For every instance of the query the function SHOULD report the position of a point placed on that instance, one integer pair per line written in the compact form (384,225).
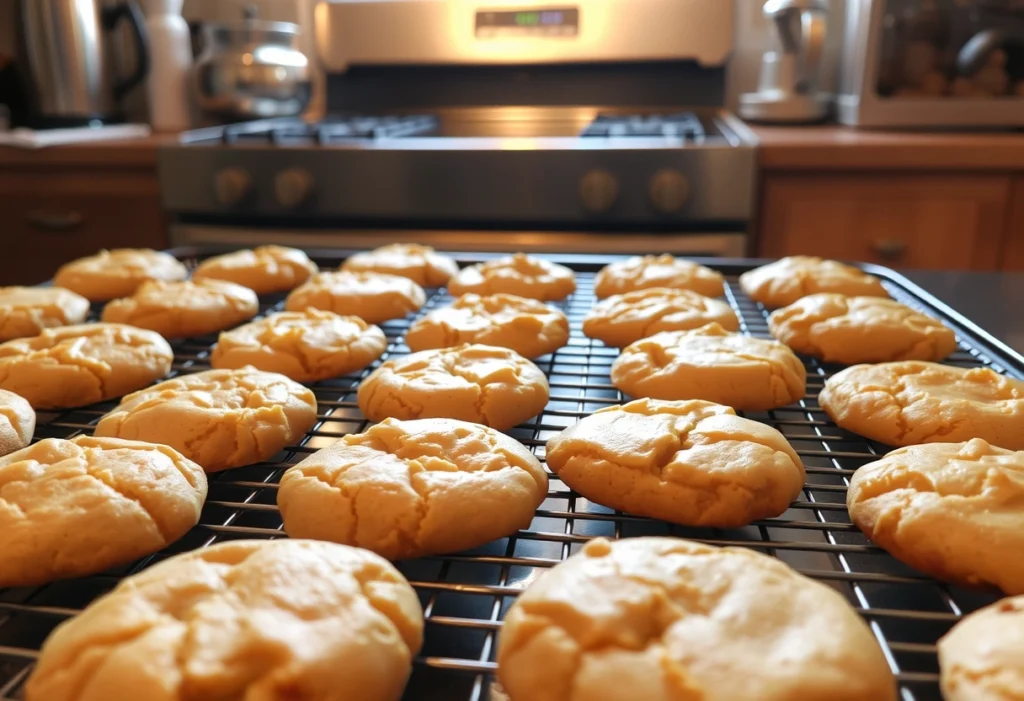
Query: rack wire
(466,595)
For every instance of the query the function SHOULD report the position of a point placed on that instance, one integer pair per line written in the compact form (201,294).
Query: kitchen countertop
(116,152)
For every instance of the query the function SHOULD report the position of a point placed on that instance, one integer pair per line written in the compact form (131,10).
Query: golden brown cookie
(27,311)
(264,269)
(529,327)
(411,488)
(622,319)
(788,279)
(77,365)
(219,418)
(306,346)
(117,273)
(274,620)
(17,422)
(183,309)
(421,264)
(643,272)
(913,402)
(520,274)
(487,385)
(665,619)
(980,659)
(951,510)
(69,508)
(692,462)
(750,374)
(850,330)
(373,297)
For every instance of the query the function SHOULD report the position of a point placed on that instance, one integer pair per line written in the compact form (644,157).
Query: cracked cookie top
(643,272)
(519,274)
(487,385)
(219,418)
(411,488)
(27,311)
(911,402)
(280,619)
(264,269)
(693,462)
(711,363)
(529,327)
(117,273)
(17,422)
(622,319)
(373,297)
(665,619)
(952,510)
(69,508)
(77,365)
(980,658)
(421,264)
(788,279)
(183,309)
(850,330)
(306,346)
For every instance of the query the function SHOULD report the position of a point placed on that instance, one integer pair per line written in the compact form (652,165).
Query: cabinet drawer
(903,221)
(48,220)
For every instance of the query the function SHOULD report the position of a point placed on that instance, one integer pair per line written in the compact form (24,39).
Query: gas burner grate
(684,125)
(465,596)
(295,132)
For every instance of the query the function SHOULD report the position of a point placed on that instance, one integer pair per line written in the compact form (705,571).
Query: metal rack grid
(466,595)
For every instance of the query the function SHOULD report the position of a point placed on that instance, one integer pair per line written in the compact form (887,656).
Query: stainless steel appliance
(490,126)
(790,73)
(943,63)
(67,59)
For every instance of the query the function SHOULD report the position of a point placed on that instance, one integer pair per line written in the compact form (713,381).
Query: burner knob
(599,189)
(231,185)
(669,190)
(293,186)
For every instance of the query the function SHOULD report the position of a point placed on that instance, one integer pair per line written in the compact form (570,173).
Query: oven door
(727,244)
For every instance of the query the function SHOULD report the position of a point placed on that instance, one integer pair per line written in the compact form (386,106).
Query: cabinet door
(1013,250)
(48,219)
(904,221)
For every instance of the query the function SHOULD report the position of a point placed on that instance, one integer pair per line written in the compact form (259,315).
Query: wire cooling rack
(465,596)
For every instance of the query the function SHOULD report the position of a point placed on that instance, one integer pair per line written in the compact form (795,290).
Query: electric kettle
(66,61)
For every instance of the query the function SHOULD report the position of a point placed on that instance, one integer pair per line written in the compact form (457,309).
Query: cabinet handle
(889,249)
(55,221)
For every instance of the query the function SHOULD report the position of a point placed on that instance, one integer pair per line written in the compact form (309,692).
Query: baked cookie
(183,309)
(788,279)
(487,385)
(980,658)
(622,319)
(17,422)
(694,463)
(117,273)
(373,297)
(913,402)
(406,489)
(850,330)
(27,311)
(951,510)
(520,274)
(264,269)
(643,272)
(77,365)
(749,374)
(528,327)
(306,346)
(76,507)
(269,620)
(421,264)
(665,619)
(219,418)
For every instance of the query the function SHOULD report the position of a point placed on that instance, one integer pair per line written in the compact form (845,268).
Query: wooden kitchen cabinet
(1012,258)
(895,219)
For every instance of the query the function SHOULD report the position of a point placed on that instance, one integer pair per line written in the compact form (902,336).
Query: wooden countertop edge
(99,154)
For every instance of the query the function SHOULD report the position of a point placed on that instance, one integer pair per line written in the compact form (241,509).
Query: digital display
(542,22)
